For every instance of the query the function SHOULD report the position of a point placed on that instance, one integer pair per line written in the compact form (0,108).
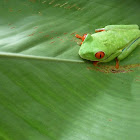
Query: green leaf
(47,92)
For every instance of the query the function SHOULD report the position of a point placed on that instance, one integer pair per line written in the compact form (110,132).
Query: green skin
(117,41)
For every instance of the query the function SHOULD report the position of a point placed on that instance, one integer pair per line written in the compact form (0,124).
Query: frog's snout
(83,54)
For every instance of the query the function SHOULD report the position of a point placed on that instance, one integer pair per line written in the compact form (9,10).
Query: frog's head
(93,49)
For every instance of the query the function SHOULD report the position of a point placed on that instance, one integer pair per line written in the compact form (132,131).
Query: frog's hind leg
(99,30)
(128,49)
(116,27)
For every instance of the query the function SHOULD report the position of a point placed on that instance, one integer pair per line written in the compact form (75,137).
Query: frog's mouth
(104,60)
(96,62)
(107,59)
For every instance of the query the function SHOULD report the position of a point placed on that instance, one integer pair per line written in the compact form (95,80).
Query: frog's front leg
(128,49)
(81,37)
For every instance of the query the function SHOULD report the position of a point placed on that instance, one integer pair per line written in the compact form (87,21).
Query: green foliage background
(47,92)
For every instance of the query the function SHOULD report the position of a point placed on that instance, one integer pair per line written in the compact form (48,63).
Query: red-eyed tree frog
(111,42)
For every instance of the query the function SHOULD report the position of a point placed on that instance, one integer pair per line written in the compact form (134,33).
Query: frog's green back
(117,38)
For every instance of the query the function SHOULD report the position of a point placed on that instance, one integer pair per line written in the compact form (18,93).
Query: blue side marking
(132,43)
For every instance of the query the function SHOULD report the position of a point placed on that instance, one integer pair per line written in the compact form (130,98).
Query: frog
(108,43)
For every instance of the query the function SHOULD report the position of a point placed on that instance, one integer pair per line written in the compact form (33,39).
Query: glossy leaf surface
(47,92)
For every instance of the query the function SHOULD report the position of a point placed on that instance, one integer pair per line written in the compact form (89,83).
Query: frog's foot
(81,37)
(117,63)
(99,30)
(95,63)
(78,36)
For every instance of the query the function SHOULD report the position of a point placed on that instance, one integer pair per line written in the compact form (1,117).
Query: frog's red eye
(100,55)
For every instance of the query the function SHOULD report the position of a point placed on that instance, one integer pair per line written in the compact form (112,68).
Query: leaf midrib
(15,55)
